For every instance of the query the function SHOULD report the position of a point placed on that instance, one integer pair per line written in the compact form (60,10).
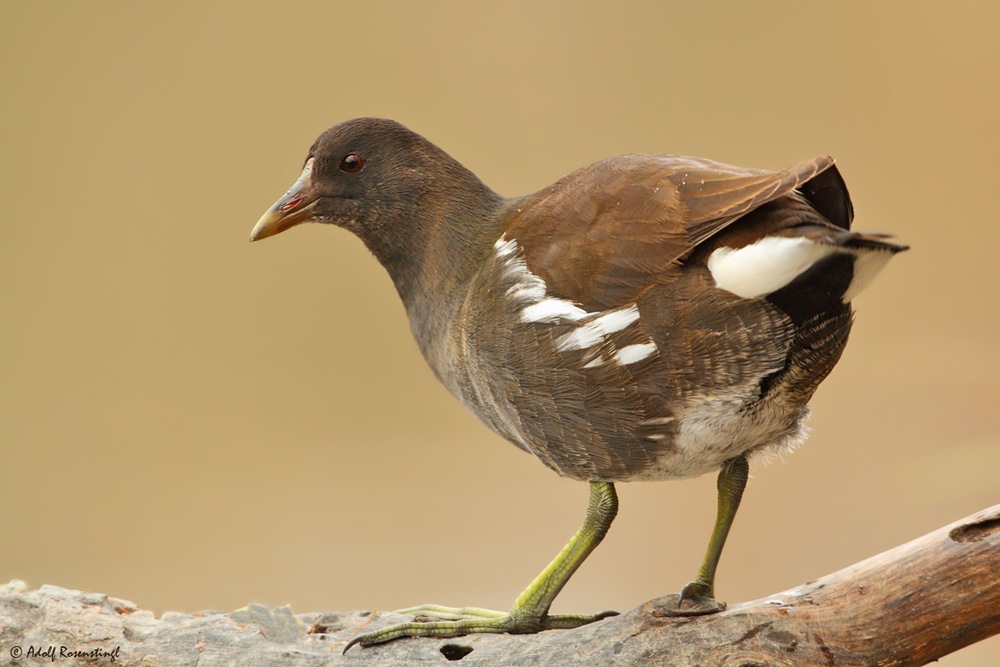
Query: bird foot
(458,622)
(695,599)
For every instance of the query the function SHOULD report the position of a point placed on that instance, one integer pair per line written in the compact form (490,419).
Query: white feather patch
(631,354)
(504,247)
(765,266)
(529,289)
(552,309)
(867,265)
(616,320)
(584,336)
(595,331)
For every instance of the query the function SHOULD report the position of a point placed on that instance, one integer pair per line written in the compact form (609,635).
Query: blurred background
(192,422)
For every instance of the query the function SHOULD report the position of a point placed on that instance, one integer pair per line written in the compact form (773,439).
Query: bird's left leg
(698,596)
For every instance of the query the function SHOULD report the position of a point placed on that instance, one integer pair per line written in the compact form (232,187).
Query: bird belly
(714,430)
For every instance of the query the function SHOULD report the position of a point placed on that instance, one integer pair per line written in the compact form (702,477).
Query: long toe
(570,621)
(450,613)
(434,629)
(504,623)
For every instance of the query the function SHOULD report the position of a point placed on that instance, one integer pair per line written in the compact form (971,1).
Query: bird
(647,317)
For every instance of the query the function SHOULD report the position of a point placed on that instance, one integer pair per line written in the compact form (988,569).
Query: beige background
(192,422)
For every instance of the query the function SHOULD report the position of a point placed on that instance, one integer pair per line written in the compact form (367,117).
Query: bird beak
(294,208)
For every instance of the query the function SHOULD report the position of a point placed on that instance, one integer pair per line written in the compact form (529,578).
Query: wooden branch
(907,606)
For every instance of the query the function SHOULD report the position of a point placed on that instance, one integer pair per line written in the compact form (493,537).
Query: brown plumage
(603,234)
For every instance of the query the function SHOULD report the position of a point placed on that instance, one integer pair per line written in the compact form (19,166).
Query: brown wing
(606,233)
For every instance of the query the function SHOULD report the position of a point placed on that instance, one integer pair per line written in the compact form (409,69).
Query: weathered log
(907,606)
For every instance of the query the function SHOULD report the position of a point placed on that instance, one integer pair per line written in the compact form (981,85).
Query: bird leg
(698,597)
(530,612)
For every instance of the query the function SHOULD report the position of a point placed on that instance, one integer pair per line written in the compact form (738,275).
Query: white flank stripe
(552,309)
(504,247)
(525,287)
(631,354)
(595,331)
(867,265)
(765,266)
(530,289)
(530,292)
(584,336)
(617,320)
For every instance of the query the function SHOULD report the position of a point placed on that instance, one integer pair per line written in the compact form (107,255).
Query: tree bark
(907,606)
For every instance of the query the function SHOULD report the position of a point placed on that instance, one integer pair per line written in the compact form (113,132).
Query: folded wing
(603,235)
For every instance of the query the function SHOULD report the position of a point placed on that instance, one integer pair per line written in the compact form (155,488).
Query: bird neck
(434,242)
(437,240)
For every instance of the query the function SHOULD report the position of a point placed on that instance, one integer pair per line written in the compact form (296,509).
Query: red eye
(351,163)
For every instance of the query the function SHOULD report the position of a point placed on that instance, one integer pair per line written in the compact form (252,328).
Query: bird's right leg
(530,612)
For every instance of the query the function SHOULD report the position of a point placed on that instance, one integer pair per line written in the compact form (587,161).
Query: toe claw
(694,591)
(356,640)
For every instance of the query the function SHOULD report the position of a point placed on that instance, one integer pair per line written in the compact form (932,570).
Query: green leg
(698,597)
(530,612)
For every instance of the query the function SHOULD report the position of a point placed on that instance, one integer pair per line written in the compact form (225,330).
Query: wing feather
(608,232)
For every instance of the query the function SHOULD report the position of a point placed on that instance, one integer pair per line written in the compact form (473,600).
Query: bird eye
(351,163)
